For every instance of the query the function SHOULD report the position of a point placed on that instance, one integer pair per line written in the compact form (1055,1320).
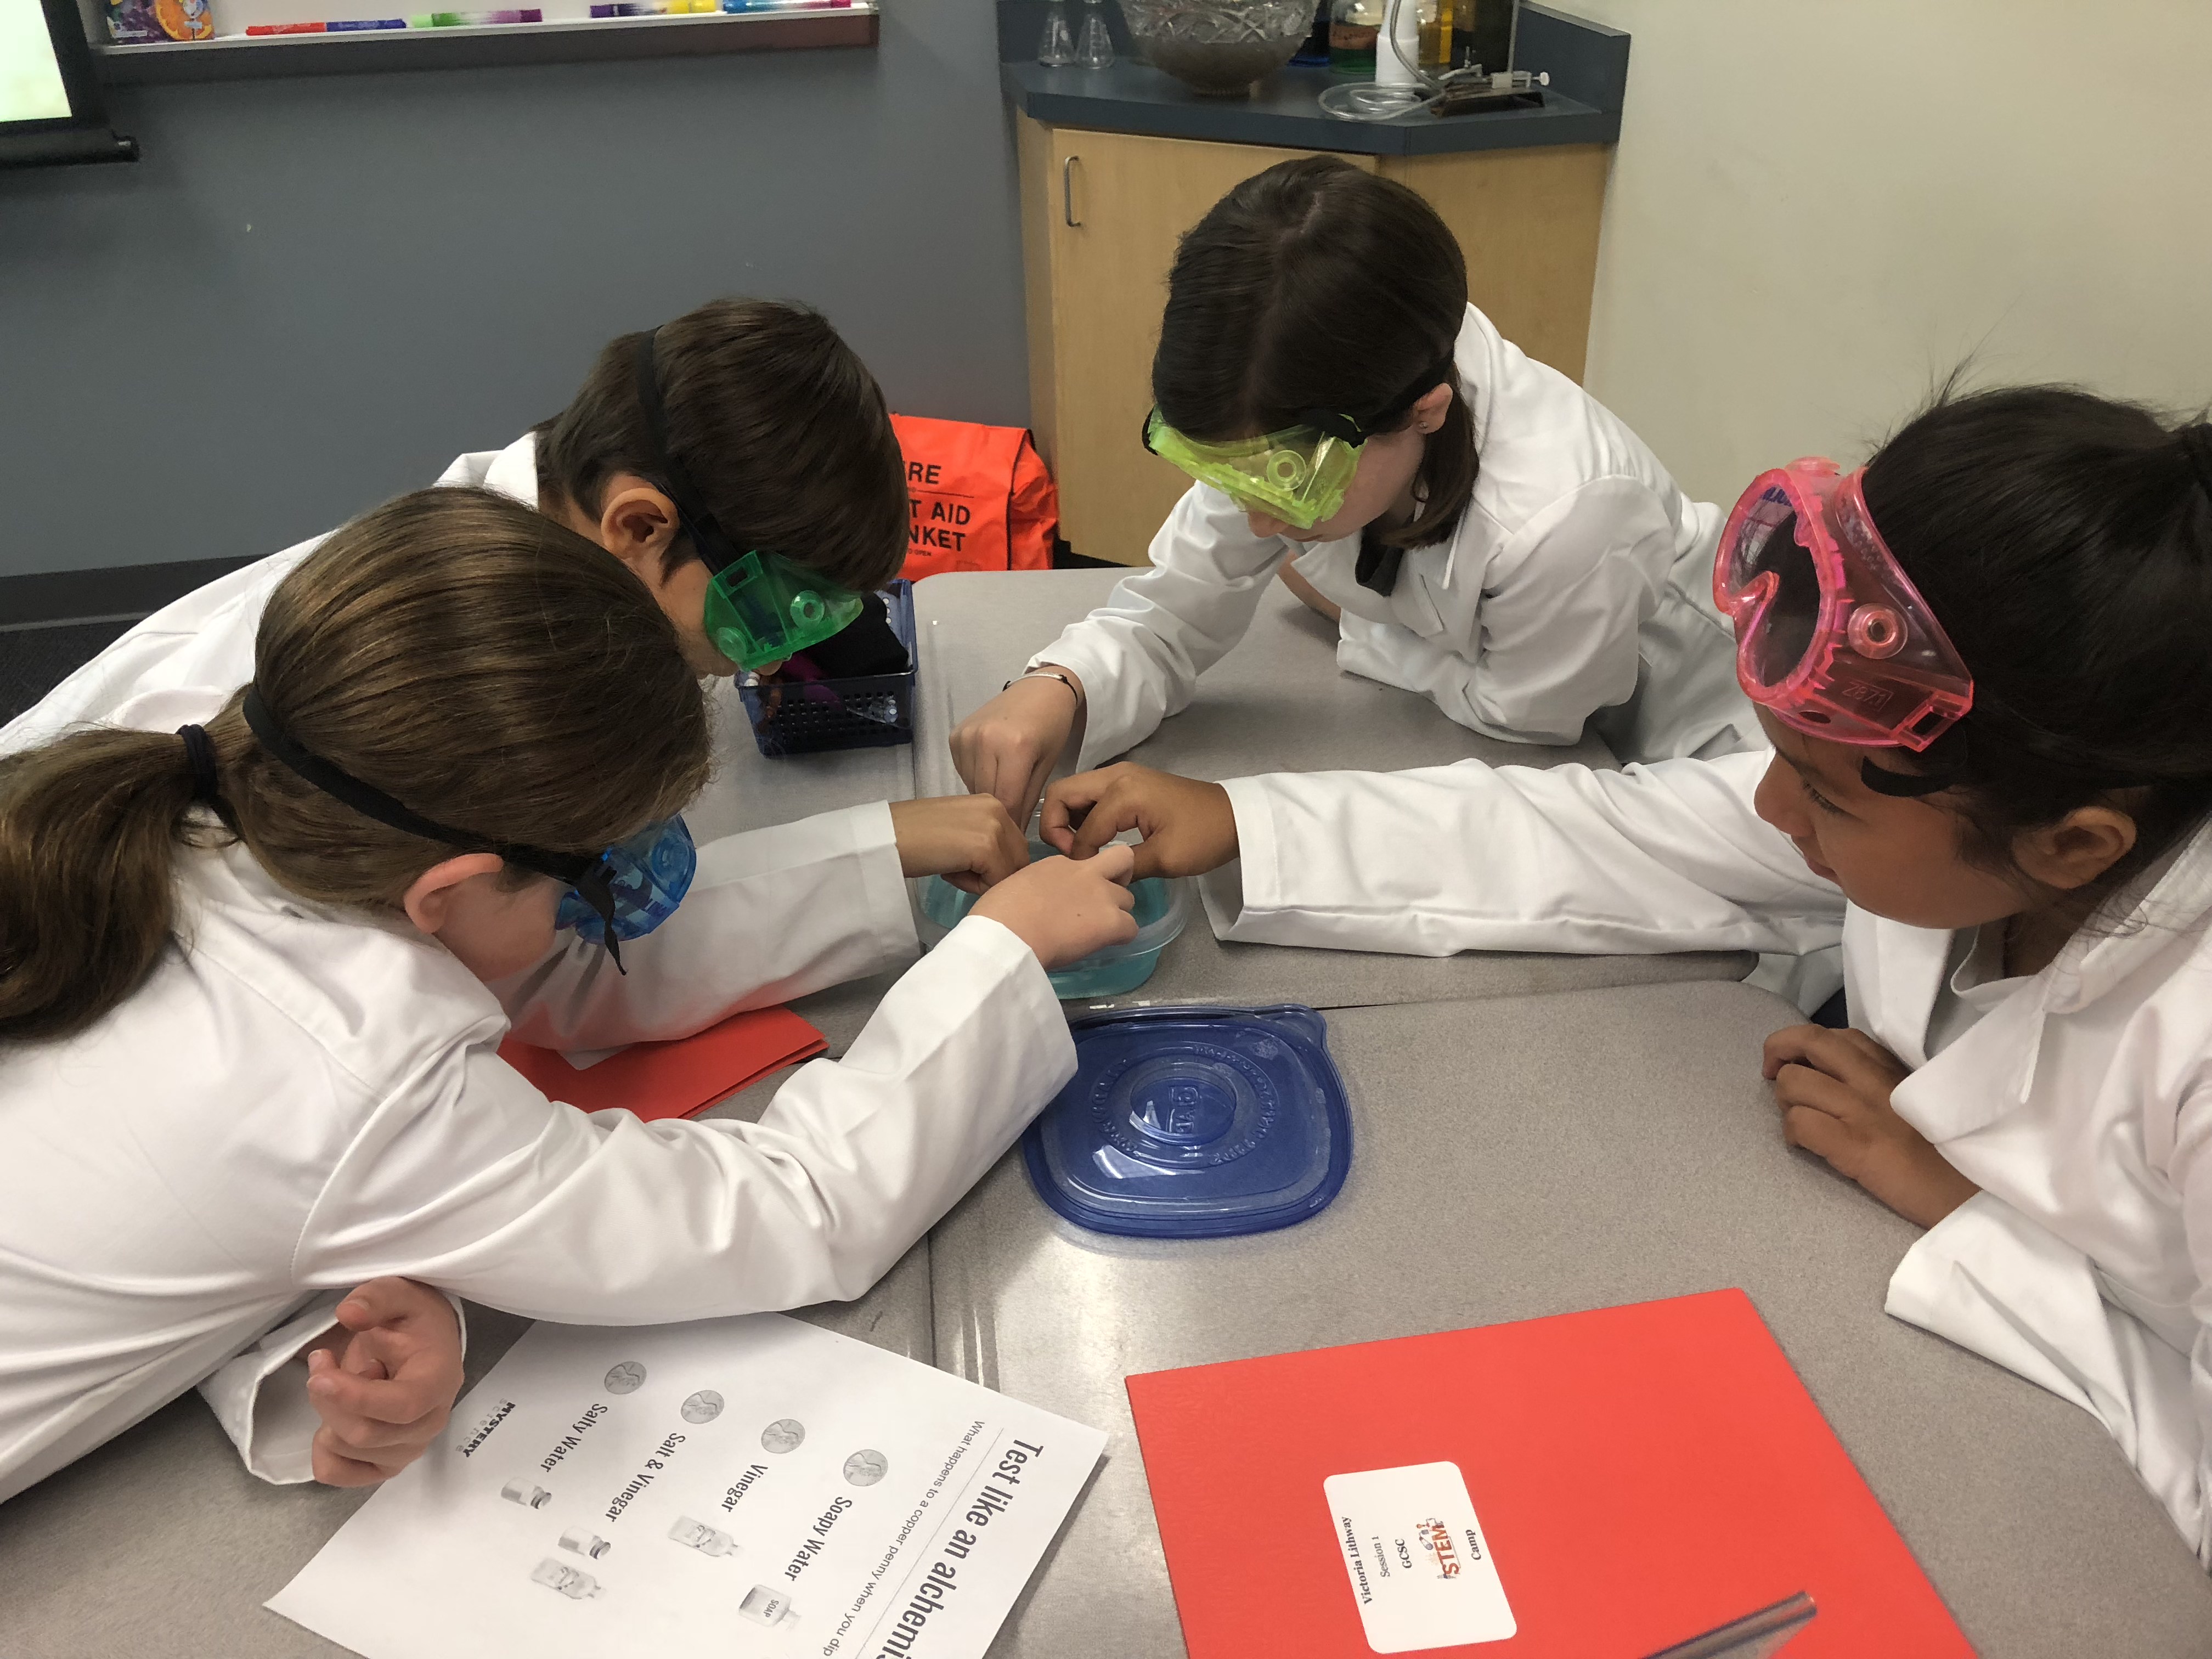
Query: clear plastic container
(1195,1123)
(1162,907)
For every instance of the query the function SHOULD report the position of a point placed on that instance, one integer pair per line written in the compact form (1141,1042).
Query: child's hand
(967,839)
(1834,1089)
(1007,747)
(384,1384)
(1188,827)
(1063,910)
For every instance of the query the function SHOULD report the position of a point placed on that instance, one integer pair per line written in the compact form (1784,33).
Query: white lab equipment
(698,1536)
(576,1586)
(765,1606)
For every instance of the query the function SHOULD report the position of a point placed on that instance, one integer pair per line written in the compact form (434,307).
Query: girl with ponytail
(1483,532)
(256,964)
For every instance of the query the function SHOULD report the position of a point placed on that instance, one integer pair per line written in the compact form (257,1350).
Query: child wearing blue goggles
(256,971)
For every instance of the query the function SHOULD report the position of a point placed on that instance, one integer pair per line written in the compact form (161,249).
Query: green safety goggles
(1298,475)
(761,606)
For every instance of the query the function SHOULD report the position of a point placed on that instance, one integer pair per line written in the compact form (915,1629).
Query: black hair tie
(199,751)
(2196,443)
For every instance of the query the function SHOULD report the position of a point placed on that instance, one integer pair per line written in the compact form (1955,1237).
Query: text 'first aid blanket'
(752,1488)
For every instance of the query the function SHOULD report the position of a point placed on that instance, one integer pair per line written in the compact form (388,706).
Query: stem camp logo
(1436,1538)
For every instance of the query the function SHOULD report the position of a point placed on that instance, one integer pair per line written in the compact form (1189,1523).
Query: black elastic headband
(715,550)
(1902,786)
(1352,430)
(581,871)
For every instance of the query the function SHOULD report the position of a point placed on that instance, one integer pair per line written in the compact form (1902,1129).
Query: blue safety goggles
(645,877)
(628,890)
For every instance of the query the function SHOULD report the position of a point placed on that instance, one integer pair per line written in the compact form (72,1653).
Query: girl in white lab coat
(255,967)
(1486,533)
(1991,778)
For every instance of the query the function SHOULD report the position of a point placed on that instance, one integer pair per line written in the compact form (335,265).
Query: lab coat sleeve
(467,1178)
(772,915)
(1140,654)
(261,1398)
(1562,607)
(1992,1280)
(1665,857)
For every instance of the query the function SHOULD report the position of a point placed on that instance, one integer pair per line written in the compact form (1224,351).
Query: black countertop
(1588,63)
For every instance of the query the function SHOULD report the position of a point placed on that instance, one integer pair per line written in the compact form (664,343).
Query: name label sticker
(1421,1571)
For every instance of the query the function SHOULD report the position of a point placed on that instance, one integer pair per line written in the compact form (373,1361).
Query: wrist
(1052,672)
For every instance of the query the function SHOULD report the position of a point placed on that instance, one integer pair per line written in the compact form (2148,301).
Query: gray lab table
(1276,702)
(1581,1151)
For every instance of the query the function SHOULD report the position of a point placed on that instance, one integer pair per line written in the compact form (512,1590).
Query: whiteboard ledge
(560,42)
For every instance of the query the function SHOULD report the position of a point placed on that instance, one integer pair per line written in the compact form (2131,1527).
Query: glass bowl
(1222,48)
(1162,907)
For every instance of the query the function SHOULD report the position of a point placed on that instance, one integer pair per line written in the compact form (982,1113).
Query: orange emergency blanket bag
(979,498)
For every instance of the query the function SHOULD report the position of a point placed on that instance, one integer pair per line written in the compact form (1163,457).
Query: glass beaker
(1056,46)
(1094,48)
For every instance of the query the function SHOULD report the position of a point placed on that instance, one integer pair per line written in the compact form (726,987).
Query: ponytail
(457,650)
(88,829)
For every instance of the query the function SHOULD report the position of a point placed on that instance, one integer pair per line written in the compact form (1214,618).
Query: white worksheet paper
(748,1488)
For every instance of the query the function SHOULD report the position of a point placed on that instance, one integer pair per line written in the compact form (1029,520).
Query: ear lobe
(1430,408)
(428,900)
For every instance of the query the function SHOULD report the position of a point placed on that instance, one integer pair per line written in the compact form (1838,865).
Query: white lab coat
(2079,1100)
(300,1098)
(205,639)
(1576,589)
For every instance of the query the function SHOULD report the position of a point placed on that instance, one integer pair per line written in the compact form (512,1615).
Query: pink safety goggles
(1830,633)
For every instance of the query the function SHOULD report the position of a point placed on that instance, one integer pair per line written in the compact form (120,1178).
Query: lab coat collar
(2172,896)
(514,470)
(1475,355)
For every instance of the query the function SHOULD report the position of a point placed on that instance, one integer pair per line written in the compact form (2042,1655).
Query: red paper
(1642,1475)
(675,1079)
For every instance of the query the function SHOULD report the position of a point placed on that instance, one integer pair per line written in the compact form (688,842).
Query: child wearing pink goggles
(1982,663)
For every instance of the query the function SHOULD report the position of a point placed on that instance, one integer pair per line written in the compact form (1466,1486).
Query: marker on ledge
(342,26)
(464,20)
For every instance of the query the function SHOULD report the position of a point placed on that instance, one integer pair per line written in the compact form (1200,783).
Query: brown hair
(1314,285)
(456,649)
(782,429)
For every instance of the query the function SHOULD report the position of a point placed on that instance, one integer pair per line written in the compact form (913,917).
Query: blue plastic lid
(1195,1123)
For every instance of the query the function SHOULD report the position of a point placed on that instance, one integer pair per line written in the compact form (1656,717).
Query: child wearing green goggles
(1484,533)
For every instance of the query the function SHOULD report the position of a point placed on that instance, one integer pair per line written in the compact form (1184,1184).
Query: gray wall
(313,294)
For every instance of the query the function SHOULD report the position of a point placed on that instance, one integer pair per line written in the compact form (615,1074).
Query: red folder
(1642,1475)
(674,1080)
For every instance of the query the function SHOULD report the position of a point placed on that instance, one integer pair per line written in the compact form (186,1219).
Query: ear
(637,522)
(2077,849)
(1430,407)
(428,902)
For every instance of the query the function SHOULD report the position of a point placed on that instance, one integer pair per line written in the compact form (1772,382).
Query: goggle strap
(715,550)
(1353,431)
(1901,786)
(575,869)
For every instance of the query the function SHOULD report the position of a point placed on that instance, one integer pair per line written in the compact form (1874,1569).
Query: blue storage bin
(868,711)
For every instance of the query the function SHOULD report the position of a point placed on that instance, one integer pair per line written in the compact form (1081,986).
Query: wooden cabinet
(1101,214)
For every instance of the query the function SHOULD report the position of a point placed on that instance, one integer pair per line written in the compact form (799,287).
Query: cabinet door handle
(1067,193)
